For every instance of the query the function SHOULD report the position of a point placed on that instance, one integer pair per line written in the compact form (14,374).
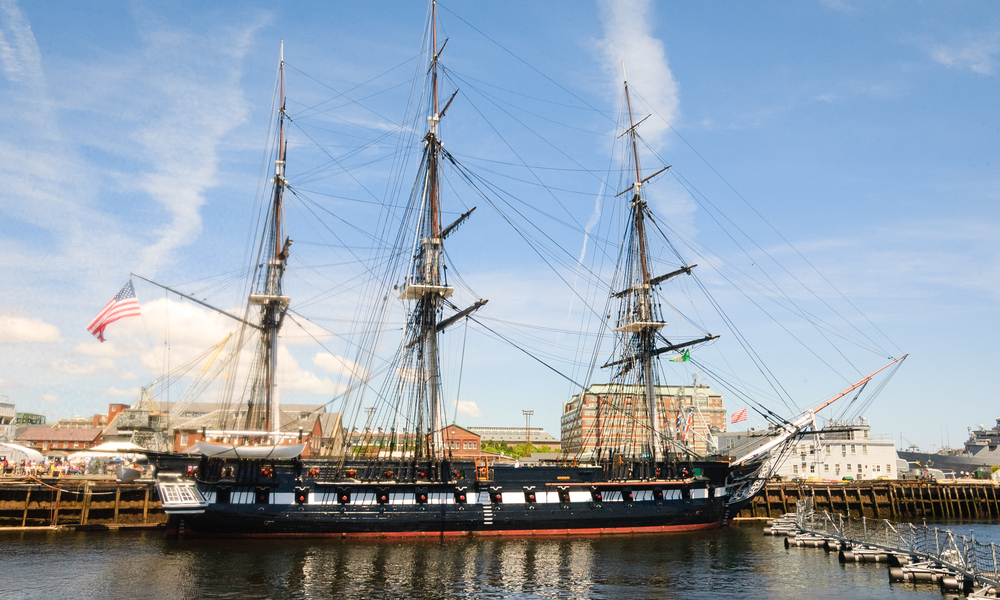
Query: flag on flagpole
(682,358)
(124,304)
(738,416)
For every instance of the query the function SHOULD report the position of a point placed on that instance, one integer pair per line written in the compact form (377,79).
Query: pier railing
(922,543)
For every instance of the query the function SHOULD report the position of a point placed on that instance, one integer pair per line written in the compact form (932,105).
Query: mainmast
(431,302)
(419,378)
(271,300)
(426,285)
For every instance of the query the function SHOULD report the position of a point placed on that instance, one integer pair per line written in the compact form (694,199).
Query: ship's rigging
(408,394)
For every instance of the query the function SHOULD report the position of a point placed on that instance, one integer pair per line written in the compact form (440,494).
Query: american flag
(740,415)
(124,304)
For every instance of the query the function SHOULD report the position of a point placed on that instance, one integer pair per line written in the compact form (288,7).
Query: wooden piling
(85,504)
(27,500)
(55,511)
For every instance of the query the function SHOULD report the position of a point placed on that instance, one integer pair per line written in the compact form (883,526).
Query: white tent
(14,453)
(107,456)
(118,447)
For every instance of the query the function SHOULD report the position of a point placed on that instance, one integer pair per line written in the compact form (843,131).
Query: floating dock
(78,504)
(915,554)
(882,499)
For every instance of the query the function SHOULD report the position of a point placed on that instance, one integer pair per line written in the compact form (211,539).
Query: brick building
(59,440)
(605,415)
(461,442)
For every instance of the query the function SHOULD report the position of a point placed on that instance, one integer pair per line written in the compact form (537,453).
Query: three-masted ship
(254,482)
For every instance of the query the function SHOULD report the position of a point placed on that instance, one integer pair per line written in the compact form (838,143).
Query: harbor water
(739,562)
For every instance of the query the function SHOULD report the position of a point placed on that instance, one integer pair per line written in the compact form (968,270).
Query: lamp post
(527,427)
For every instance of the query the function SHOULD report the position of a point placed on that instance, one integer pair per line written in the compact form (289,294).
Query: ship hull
(251,498)
(451,520)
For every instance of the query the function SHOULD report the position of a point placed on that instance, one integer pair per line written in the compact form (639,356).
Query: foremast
(269,292)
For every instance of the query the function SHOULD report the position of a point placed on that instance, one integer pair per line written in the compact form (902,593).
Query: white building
(7,418)
(840,449)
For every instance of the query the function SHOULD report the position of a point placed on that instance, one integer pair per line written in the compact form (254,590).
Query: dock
(97,503)
(914,553)
(78,503)
(882,499)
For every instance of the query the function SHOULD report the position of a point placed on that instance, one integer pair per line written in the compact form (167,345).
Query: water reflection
(738,562)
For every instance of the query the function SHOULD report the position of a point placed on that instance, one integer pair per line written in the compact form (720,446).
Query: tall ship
(402,475)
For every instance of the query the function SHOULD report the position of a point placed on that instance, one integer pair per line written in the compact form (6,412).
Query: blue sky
(866,134)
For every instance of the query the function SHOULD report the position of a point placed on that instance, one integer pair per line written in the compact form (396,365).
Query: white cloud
(339,365)
(468,408)
(627,37)
(107,349)
(19,55)
(191,331)
(292,377)
(196,102)
(976,54)
(17,327)
(64,366)
(50,398)
(300,331)
(113,391)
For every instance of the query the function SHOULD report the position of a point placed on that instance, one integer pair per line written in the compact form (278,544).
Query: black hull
(306,498)
(395,521)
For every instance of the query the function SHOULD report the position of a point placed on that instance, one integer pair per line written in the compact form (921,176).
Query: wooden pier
(87,503)
(883,499)
(97,504)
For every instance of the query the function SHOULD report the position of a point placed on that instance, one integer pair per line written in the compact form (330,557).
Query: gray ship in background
(979,458)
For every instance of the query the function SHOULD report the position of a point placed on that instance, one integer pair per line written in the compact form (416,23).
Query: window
(828,451)
(843,450)
(854,449)
(864,449)
(184,439)
(878,468)
(826,467)
(859,467)
(888,468)
(812,468)
(836,467)
(795,469)
(848,467)
(812,450)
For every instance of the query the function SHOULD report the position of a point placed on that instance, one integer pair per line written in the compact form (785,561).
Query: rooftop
(60,434)
(514,434)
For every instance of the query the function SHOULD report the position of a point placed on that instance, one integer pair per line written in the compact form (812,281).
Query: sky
(844,153)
